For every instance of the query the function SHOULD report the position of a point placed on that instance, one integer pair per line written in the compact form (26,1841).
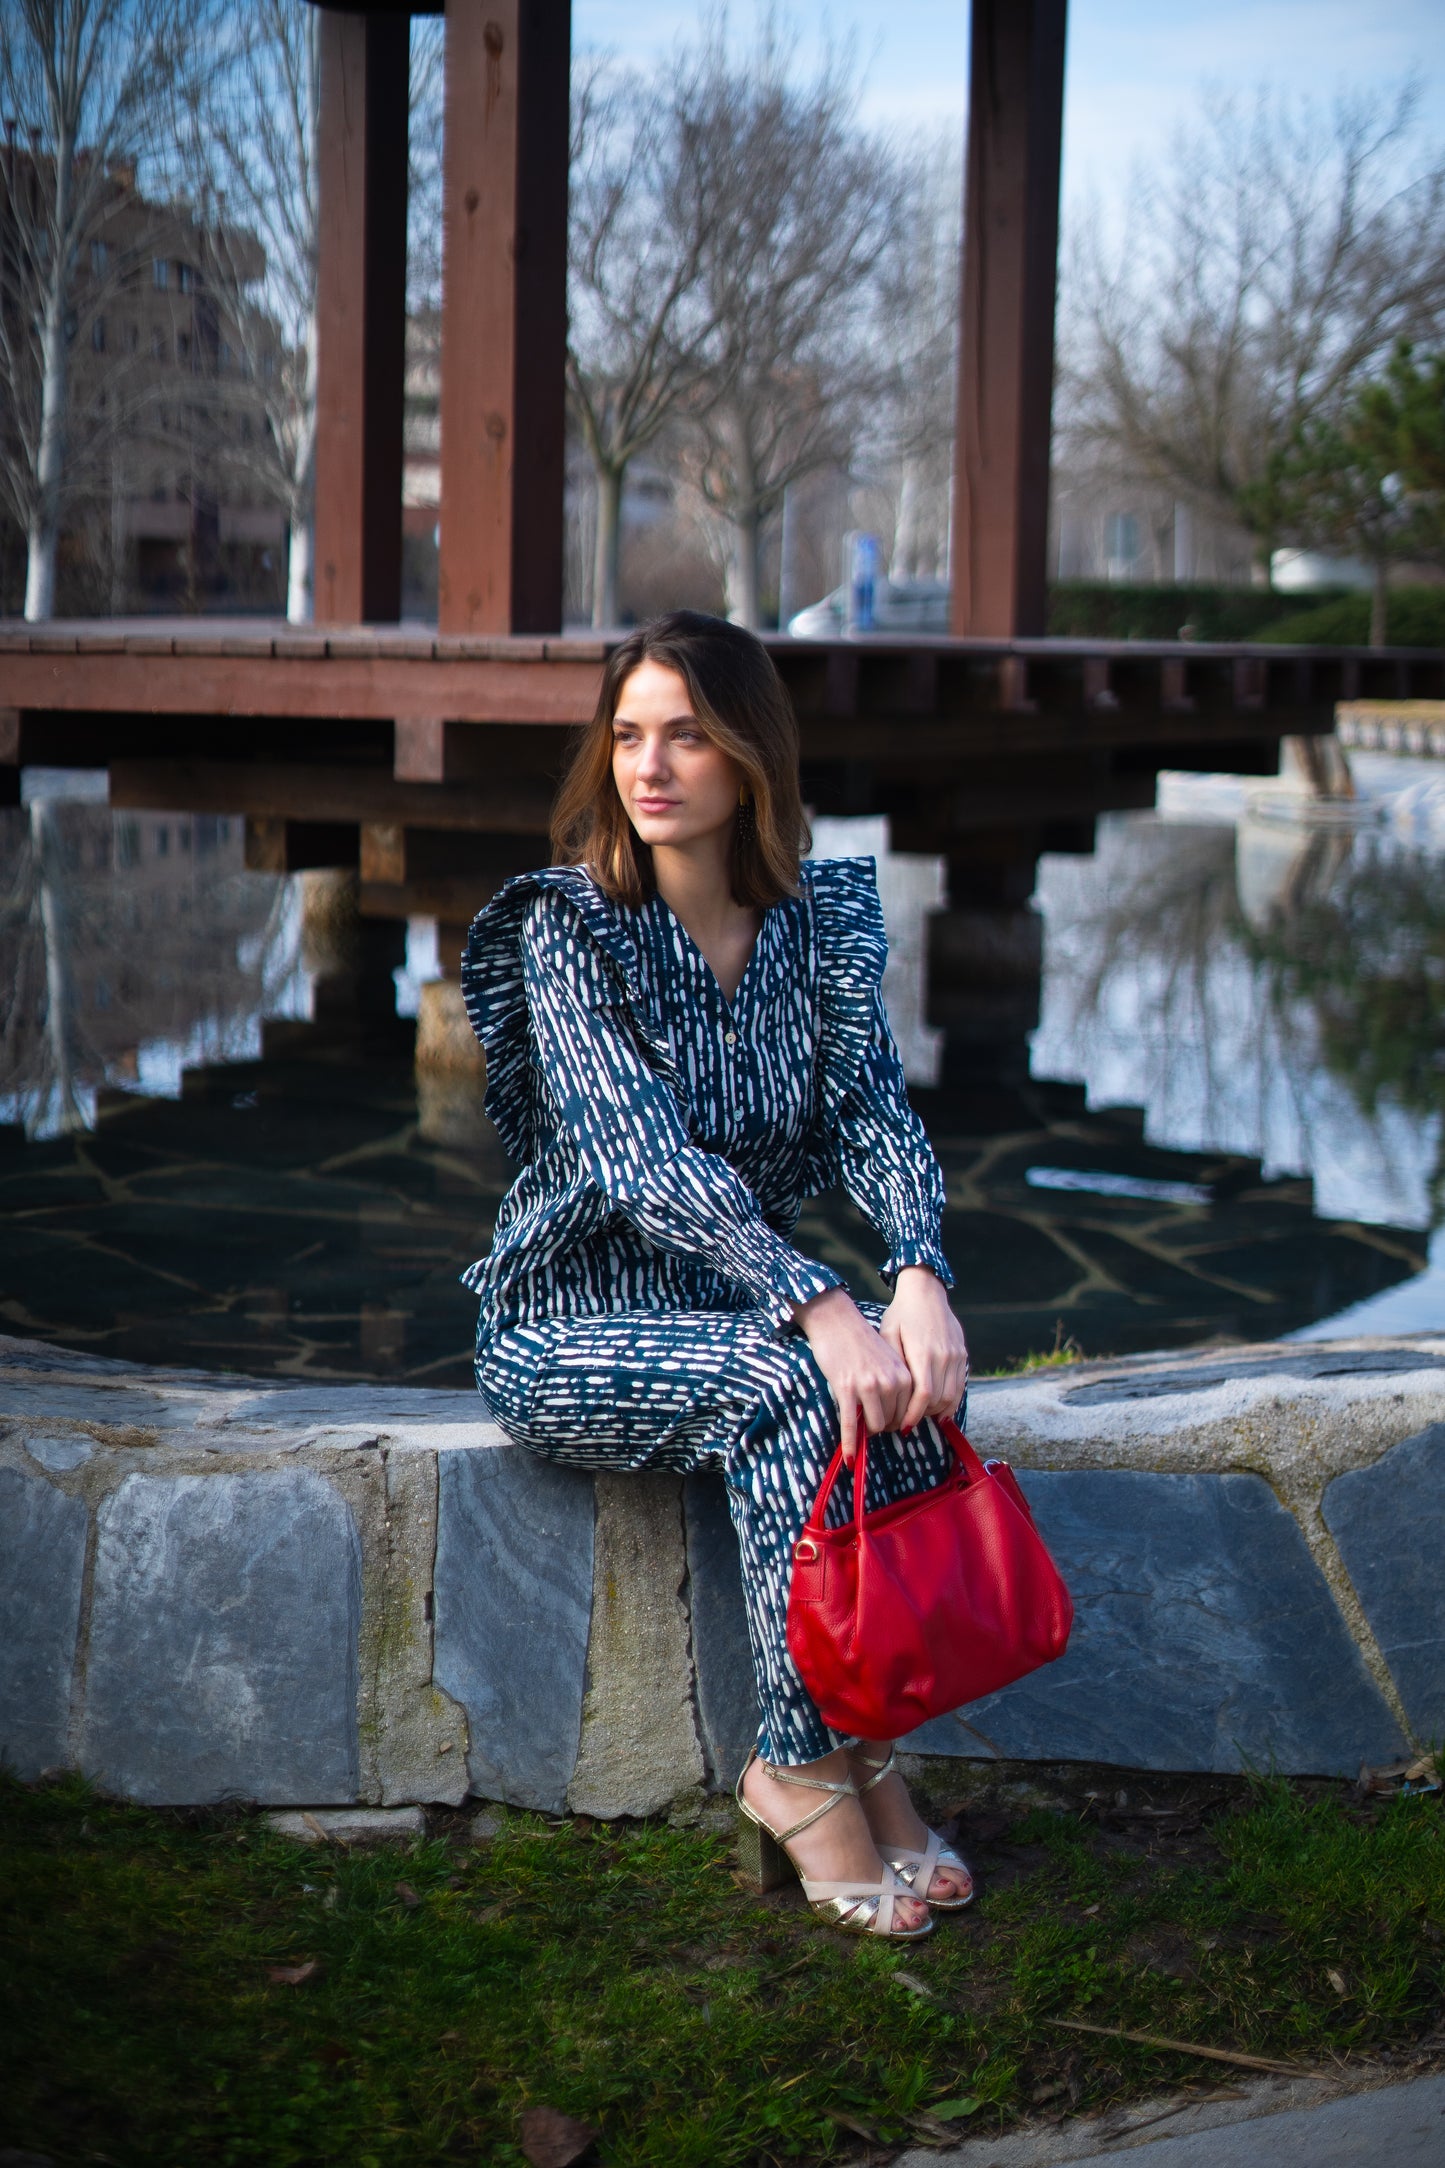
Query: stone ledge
(324,1596)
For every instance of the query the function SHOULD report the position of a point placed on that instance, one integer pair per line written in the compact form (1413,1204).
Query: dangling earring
(747,818)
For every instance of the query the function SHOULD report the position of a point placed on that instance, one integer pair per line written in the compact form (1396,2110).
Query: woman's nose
(652,761)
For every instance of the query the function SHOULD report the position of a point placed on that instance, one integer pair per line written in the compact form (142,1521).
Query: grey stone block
(727,1699)
(42,1564)
(1389,1522)
(58,1451)
(513,1600)
(223,1649)
(1205,1637)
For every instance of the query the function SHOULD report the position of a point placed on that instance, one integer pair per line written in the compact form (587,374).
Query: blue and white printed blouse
(668,1136)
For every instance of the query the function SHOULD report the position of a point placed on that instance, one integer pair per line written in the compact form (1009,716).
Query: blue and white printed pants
(681,1390)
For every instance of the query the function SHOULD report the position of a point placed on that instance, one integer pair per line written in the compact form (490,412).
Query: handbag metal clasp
(805,1549)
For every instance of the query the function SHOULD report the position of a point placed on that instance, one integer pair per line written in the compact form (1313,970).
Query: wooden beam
(513,805)
(504,315)
(1006,341)
(360,313)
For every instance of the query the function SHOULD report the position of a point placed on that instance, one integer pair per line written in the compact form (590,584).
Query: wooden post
(504,315)
(360,314)
(1006,342)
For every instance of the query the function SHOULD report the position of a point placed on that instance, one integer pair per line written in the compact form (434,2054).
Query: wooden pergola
(504,279)
(427,758)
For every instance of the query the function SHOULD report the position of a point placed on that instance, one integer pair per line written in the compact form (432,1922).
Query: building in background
(168,504)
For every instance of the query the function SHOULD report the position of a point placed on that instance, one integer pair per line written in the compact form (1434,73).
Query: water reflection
(1263,989)
(222,1144)
(135,947)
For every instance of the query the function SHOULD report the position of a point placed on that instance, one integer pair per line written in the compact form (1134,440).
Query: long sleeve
(885,1160)
(867,1135)
(627,1127)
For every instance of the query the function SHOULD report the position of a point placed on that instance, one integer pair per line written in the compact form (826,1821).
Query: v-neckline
(729,1002)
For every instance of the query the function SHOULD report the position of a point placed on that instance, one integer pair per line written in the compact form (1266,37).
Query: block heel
(761,1858)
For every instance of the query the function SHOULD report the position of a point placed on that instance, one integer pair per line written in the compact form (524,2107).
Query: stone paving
(308,1214)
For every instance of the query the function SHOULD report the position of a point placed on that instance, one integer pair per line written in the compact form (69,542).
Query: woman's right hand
(862,1370)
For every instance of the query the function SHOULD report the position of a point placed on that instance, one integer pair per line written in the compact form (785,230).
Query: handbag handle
(952,1436)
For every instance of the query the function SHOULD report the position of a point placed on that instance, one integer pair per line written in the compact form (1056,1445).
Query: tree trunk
(42,533)
(607,549)
(63,1112)
(743,606)
(1380,605)
(43,529)
(298,571)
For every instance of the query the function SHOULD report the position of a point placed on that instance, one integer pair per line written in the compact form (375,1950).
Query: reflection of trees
(124,935)
(1364,953)
(1320,952)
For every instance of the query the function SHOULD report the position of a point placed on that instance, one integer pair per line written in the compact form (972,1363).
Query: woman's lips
(656,805)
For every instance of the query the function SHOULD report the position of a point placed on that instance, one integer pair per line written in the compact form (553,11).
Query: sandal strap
(883,1892)
(836,1792)
(880,1770)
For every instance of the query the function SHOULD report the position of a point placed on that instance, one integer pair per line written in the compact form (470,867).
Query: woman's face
(676,785)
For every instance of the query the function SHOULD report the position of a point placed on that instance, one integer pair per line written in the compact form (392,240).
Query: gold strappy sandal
(915,1870)
(859,1908)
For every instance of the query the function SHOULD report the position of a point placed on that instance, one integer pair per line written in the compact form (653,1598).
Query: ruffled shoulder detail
(495,994)
(852,950)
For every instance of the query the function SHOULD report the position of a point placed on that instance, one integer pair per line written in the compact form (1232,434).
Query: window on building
(132,337)
(97,335)
(185,278)
(99,259)
(183,346)
(268,365)
(160,274)
(1122,543)
(158,346)
(223,355)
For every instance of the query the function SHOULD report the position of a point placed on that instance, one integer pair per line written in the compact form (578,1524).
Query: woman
(685,1036)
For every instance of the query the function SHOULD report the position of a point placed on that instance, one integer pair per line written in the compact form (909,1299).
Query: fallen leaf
(318,1829)
(948,2111)
(551,2139)
(1042,2093)
(294,1975)
(407,1895)
(487,1914)
(914,1985)
(1338,1981)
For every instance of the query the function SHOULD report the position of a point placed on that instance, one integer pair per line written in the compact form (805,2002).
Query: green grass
(621,1975)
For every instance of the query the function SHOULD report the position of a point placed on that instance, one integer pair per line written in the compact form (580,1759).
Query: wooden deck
(1116,690)
(429,760)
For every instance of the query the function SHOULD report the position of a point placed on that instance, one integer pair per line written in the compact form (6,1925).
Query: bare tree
(807,208)
(1277,256)
(640,329)
(252,149)
(92,86)
(253,153)
(920,289)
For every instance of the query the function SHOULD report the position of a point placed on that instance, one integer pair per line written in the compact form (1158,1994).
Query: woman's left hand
(920,1326)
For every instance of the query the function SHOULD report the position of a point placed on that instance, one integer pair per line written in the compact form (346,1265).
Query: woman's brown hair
(740,702)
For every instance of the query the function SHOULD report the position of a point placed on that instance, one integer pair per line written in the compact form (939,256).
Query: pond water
(215,1148)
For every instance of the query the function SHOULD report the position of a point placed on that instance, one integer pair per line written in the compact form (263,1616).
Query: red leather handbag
(901,1615)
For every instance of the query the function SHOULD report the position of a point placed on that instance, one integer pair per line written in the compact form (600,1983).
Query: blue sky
(1135,67)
